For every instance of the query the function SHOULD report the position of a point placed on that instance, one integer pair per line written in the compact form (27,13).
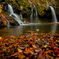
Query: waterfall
(8,23)
(21,14)
(10,9)
(31,16)
(53,14)
(29,1)
(36,14)
(13,15)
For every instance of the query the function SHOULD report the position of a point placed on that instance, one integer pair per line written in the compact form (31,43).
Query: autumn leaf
(19,50)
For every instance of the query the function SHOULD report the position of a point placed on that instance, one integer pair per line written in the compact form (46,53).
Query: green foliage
(6,0)
(38,10)
(16,4)
(21,0)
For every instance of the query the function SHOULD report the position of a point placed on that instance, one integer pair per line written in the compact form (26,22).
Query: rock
(7,45)
(5,6)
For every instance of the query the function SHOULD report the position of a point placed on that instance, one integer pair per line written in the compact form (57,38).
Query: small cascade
(53,14)
(29,1)
(8,23)
(13,15)
(10,10)
(36,14)
(21,14)
(31,16)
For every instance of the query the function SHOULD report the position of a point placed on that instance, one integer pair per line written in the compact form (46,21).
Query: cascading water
(53,14)
(31,16)
(15,16)
(10,10)
(54,27)
(29,1)
(36,14)
(21,14)
(8,23)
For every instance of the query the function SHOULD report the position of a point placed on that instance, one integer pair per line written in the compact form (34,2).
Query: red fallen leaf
(1,51)
(30,56)
(26,39)
(3,46)
(56,49)
(49,51)
(17,46)
(58,52)
(57,55)
(1,40)
(14,45)
(30,43)
(52,45)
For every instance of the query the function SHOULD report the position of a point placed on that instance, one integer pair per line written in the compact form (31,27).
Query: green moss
(38,10)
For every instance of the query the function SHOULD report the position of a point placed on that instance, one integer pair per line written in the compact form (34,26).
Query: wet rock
(7,45)
(5,6)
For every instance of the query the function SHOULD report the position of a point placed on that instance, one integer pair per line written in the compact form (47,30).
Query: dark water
(19,30)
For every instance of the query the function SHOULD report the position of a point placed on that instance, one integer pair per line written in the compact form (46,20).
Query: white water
(53,14)
(36,14)
(21,14)
(31,16)
(30,1)
(10,9)
(15,16)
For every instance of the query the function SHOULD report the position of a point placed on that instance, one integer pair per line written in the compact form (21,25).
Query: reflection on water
(53,28)
(11,31)
(19,30)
